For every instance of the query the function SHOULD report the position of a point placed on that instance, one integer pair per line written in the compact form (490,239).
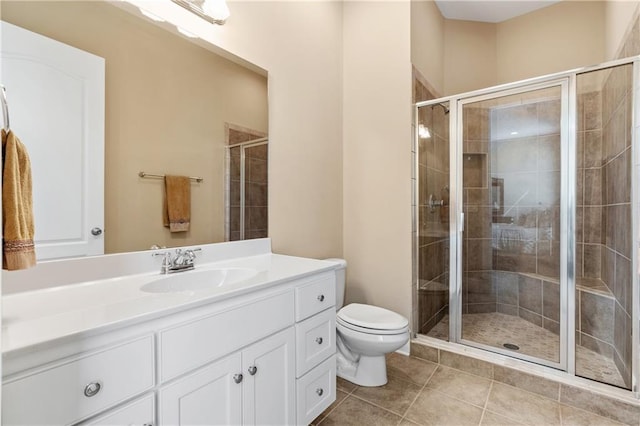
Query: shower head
(444,107)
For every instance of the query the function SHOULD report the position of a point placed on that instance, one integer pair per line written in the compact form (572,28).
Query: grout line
(338,404)
(486,402)
(419,392)
(376,405)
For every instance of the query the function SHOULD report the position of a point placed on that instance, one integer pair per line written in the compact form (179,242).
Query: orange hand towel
(177,203)
(17,205)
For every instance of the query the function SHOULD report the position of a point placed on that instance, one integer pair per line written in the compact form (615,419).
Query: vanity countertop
(39,316)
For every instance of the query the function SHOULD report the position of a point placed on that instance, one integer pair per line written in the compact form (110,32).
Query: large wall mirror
(170,106)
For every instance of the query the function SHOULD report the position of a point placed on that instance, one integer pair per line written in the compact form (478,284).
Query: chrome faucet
(182,261)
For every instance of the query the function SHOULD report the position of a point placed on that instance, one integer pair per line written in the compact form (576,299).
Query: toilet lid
(372,317)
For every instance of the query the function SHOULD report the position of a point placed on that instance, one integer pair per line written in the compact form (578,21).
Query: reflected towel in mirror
(18,250)
(177,203)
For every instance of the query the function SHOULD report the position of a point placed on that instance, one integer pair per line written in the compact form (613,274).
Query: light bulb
(216,9)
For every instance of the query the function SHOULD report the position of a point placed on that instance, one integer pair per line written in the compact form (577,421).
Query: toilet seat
(371,319)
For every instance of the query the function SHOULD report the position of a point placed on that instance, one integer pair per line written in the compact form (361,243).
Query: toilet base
(371,371)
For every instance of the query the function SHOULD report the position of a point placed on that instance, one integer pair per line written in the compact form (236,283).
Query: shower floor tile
(496,329)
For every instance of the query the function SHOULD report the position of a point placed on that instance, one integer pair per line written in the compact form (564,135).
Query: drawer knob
(92,389)
(321,298)
(319,391)
(237,378)
(319,340)
(253,370)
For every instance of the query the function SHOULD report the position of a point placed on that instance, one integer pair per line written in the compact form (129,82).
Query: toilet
(364,335)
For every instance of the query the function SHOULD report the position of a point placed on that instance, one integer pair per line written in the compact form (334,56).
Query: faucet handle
(166,260)
(190,254)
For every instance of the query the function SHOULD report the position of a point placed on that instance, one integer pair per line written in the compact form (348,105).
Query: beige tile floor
(495,329)
(423,393)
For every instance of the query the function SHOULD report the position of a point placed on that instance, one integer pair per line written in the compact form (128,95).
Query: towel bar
(151,175)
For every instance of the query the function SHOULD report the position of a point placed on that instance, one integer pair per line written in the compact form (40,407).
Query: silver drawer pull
(321,298)
(319,391)
(253,370)
(92,389)
(237,378)
(319,340)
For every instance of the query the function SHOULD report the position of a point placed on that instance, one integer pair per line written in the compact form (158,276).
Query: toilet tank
(341,273)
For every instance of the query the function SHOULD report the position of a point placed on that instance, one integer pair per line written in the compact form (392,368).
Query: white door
(269,386)
(56,104)
(210,396)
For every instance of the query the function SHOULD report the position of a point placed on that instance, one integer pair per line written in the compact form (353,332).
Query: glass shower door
(247,191)
(510,272)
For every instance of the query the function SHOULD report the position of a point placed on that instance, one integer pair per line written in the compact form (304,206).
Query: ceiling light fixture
(217,9)
(213,11)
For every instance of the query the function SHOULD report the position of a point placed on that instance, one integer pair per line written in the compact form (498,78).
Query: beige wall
(618,16)
(470,57)
(560,37)
(166,104)
(427,42)
(377,154)
(459,56)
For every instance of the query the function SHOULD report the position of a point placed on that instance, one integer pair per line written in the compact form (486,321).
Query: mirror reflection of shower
(246,190)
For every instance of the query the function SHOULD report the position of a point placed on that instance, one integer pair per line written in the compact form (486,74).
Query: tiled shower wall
(617,167)
(616,196)
(433,224)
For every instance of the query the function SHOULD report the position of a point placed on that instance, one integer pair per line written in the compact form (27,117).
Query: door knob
(237,378)
(253,370)
(319,340)
(319,391)
(321,298)
(96,231)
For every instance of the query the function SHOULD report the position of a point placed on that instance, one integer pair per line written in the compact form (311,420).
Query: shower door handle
(462,222)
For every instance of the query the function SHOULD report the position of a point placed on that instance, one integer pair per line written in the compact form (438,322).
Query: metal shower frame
(567,80)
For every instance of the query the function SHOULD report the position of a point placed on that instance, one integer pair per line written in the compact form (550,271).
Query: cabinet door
(269,386)
(210,396)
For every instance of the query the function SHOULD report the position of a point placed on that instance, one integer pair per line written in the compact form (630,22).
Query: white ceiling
(489,11)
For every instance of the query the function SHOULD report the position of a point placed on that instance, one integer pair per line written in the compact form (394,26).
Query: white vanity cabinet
(74,388)
(254,386)
(140,412)
(261,356)
(315,347)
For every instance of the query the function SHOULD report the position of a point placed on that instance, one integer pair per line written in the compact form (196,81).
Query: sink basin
(193,281)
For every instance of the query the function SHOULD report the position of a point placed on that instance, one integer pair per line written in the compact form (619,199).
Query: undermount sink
(198,280)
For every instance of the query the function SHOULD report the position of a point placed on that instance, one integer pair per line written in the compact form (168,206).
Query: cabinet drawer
(60,394)
(316,296)
(316,391)
(188,346)
(140,413)
(315,340)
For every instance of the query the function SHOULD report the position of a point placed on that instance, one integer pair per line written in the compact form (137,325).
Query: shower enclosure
(526,210)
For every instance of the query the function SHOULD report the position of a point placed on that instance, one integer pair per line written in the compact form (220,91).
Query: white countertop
(39,316)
